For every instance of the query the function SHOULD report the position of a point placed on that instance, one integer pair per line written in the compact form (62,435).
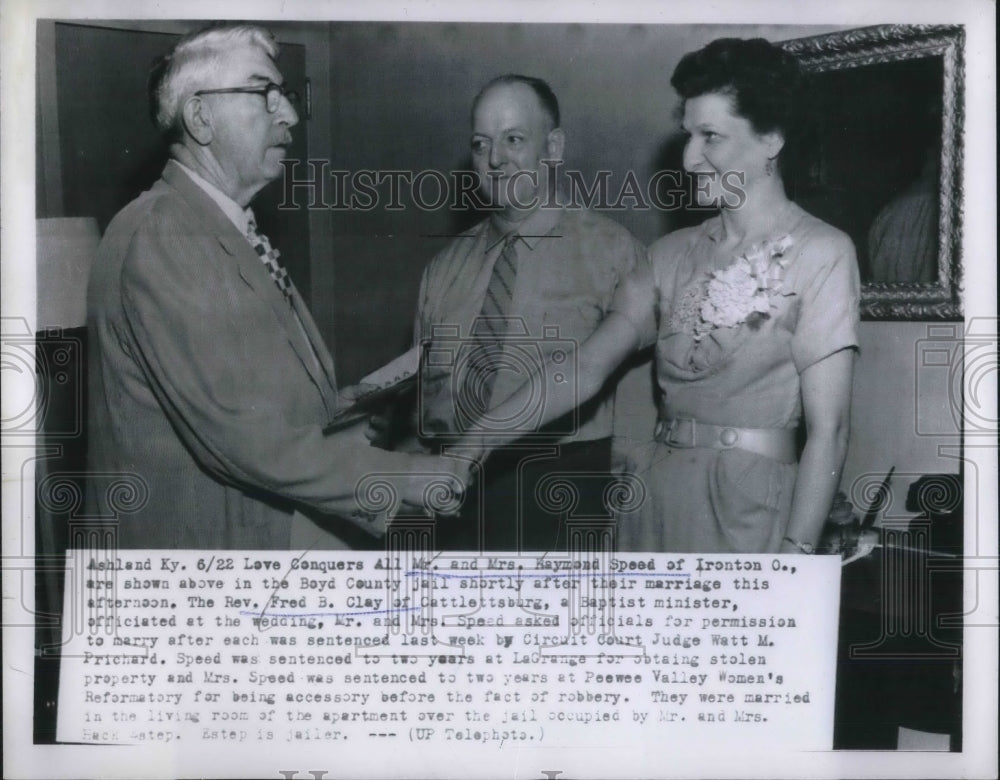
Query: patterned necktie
(269,257)
(500,291)
(484,361)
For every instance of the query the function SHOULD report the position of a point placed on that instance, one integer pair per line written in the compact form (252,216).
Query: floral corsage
(740,293)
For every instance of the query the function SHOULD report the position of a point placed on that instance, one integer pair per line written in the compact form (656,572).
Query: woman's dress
(701,499)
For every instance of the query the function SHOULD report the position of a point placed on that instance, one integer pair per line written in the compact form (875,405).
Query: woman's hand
(794,547)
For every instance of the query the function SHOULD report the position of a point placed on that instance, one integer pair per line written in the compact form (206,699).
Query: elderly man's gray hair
(187,67)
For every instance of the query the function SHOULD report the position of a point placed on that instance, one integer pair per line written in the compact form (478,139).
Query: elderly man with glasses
(209,382)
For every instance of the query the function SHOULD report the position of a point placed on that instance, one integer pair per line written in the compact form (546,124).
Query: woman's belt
(684,432)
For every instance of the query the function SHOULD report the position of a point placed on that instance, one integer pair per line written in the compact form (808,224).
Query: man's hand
(350,394)
(379,429)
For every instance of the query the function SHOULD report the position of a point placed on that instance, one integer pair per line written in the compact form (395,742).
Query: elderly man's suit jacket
(205,391)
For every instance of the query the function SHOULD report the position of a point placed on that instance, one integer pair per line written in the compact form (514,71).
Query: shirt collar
(239,216)
(530,230)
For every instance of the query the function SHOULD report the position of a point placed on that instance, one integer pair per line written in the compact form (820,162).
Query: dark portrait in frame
(880,158)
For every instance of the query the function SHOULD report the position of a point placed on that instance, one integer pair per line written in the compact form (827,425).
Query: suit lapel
(305,340)
(316,344)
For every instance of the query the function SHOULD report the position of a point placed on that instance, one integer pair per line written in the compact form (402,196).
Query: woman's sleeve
(830,295)
(635,299)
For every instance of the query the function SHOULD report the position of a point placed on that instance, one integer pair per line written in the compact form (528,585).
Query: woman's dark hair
(764,82)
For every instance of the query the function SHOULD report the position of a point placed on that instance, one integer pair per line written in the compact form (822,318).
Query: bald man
(519,285)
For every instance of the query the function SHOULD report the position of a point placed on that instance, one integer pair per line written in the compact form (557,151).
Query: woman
(754,317)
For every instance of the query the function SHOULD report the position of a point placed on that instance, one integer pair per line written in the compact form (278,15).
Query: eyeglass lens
(274,93)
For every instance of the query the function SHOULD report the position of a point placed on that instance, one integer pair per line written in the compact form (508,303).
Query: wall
(906,406)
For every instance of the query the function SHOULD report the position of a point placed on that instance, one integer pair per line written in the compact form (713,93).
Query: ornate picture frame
(881,158)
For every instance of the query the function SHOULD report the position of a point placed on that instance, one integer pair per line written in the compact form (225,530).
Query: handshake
(434,485)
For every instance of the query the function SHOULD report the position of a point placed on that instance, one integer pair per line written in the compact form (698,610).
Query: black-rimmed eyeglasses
(271,92)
